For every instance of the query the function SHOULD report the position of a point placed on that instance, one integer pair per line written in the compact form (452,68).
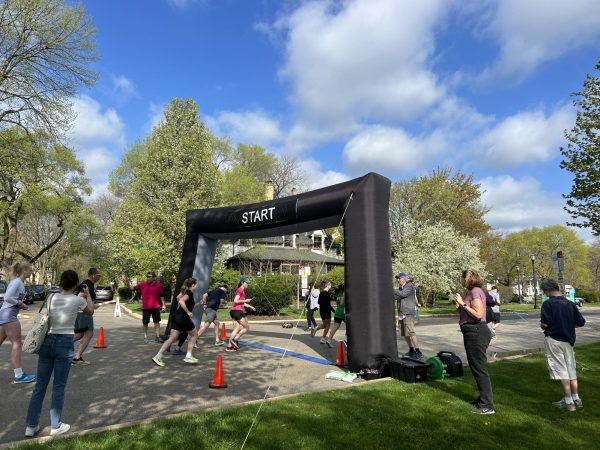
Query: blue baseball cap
(244,280)
(401,275)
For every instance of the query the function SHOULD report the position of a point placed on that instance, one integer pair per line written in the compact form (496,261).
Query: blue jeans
(56,355)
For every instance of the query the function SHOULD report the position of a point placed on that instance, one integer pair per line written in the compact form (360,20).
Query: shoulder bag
(35,337)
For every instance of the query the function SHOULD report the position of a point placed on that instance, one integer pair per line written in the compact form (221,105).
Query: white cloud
(250,127)
(391,150)
(355,60)
(320,178)
(535,31)
(184,4)
(99,161)
(529,137)
(123,88)
(93,125)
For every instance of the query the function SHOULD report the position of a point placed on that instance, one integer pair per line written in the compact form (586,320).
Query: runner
(241,325)
(84,325)
(340,312)
(182,322)
(153,302)
(325,311)
(212,305)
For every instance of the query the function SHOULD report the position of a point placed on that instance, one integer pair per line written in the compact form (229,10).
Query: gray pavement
(122,385)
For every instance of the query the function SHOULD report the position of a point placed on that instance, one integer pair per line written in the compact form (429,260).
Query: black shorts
(338,319)
(81,330)
(237,314)
(496,317)
(182,323)
(325,313)
(154,312)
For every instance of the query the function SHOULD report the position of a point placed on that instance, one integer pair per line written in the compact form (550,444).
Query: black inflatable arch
(363,203)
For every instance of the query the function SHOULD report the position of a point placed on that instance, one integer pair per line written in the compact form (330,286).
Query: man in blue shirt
(212,305)
(559,319)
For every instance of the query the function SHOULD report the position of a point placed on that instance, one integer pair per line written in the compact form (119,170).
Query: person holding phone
(476,337)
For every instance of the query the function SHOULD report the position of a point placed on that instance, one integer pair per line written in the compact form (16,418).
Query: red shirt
(151,294)
(242,295)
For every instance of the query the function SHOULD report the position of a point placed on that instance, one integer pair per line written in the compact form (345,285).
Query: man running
(153,303)
(84,325)
(212,305)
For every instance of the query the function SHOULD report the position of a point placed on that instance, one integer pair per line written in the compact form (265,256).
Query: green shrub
(124,292)
(270,293)
(588,296)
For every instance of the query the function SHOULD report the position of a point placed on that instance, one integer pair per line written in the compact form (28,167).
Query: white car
(104,293)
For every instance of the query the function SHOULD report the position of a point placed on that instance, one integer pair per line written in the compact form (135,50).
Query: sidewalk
(122,385)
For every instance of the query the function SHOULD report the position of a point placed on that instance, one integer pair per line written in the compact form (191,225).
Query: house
(285,254)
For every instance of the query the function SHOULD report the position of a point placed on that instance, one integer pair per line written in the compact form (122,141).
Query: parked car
(35,293)
(3,286)
(104,293)
(578,301)
(53,289)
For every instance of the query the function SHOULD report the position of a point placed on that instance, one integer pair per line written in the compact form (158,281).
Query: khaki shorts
(560,357)
(407,326)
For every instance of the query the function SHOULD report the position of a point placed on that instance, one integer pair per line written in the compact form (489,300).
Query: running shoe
(329,343)
(159,340)
(79,362)
(483,411)
(217,343)
(230,349)
(146,340)
(32,431)
(578,403)
(564,405)
(24,378)
(323,341)
(63,428)
(178,352)
(159,362)
(190,360)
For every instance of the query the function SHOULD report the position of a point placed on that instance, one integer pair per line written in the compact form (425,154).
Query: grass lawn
(389,415)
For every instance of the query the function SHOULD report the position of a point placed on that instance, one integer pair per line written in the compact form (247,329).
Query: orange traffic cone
(100,340)
(339,359)
(223,335)
(218,381)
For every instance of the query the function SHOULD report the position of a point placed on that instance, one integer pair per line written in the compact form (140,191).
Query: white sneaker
(217,343)
(329,343)
(323,341)
(32,431)
(63,428)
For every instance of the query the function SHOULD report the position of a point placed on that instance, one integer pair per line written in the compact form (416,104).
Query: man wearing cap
(153,302)
(406,298)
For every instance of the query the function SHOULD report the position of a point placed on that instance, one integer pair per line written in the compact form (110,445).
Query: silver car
(104,293)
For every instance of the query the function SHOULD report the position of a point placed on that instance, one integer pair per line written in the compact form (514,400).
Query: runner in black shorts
(182,322)
(241,325)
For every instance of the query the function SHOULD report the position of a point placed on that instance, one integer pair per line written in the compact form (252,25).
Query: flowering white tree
(434,255)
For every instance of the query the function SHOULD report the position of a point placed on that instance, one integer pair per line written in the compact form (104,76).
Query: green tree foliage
(582,156)
(122,177)
(441,196)
(46,47)
(40,180)
(239,187)
(177,173)
(257,163)
(517,248)
(434,255)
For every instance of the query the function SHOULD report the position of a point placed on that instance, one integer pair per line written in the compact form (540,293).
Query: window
(290,268)
(288,240)
(317,241)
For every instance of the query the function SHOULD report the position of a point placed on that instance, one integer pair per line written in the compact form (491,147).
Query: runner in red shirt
(153,302)
(240,324)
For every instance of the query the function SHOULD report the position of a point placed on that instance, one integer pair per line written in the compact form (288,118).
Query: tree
(46,47)
(38,177)
(594,264)
(103,208)
(121,178)
(239,188)
(441,196)
(434,255)
(582,157)
(176,174)
(257,163)
(287,175)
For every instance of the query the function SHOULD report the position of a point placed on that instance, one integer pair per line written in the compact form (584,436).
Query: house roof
(285,254)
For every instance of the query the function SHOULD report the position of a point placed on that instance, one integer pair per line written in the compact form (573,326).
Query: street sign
(307,270)
(304,279)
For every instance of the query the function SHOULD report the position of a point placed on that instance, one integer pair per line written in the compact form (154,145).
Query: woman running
(325,311)
(182,322)
(340,312)
(240,323)
(10,327)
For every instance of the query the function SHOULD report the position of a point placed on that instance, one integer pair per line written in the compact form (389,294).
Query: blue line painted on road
(287,352)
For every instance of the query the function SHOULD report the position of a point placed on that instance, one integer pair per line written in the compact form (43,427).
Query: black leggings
(310,318)
(476,339)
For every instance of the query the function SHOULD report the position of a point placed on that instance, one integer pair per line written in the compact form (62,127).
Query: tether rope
(293,332)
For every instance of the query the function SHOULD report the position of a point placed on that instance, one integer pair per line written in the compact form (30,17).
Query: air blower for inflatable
(435,371)
(452,364)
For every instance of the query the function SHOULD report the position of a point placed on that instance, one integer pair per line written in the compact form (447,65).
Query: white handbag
(35,337)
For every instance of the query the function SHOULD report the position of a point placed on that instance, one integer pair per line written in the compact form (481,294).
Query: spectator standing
(312,304)
(558,319)
(153,303)
(10,327)
(476,338)
(325,310)
(56,354)
(406,297)
(84,325)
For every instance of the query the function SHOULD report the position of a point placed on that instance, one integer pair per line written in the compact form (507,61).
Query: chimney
(294,191)
(269,190)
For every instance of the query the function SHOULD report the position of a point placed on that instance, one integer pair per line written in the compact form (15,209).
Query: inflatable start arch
(362,206)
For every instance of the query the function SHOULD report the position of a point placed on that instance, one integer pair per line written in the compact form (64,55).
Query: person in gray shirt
(406,298)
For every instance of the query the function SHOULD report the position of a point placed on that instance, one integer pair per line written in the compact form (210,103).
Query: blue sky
(391,86)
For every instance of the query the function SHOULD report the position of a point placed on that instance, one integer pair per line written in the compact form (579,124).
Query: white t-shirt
(63,312)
